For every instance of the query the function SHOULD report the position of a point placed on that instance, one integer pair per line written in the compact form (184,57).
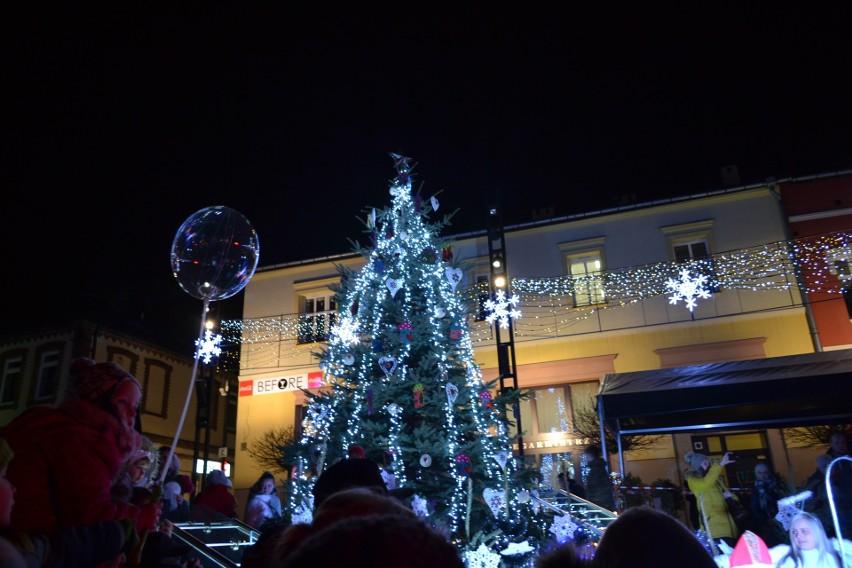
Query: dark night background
(123,120)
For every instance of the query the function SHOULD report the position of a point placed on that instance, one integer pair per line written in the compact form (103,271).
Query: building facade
(34,372)
(700,279)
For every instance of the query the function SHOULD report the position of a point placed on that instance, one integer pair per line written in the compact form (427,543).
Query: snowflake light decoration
(482,557)
(688,289)
(563,528)
(302,514)
(345,332)
(502,308)
(418,504)
(208,347)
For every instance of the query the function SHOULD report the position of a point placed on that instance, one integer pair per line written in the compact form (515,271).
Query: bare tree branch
(267,449)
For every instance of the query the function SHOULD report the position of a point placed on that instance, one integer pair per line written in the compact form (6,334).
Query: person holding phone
(704,480)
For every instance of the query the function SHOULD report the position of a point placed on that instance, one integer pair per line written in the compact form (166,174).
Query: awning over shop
(796,390)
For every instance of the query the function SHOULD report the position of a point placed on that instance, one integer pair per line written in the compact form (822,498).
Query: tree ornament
(463,464)
(429,255)
(447,253)
(405,329)
(388,365)
(440,312)
(434,201)
(418,395)
(502,457)
(393,285)
(353,309)
(482,557)
(452,393)
(454,275)
(455,329)
(394,409)
(485,398)
(348,359)
(425,460)
(495,498)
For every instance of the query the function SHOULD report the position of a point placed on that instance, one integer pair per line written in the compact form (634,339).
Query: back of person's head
(563,556)
(96,382)
(218,477)
(352,503)
(594,450)
(345,474)
(357,502)
(364,542)
(822,462)
(642,536)
(838,444)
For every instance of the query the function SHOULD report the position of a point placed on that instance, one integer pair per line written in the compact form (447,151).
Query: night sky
(122,121)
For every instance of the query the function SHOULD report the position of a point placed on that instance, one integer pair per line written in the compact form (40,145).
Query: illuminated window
(584,262)
(317,315)
(588,280)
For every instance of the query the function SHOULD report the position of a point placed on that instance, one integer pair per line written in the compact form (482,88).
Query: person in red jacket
(215,501)
(67,458)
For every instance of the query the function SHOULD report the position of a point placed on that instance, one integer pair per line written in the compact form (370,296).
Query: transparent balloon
(215,253)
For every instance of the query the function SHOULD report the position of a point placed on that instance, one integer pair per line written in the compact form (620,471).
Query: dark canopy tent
(796,390)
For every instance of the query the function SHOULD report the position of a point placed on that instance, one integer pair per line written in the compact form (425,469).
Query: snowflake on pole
(208,347)
(502,308)
(688,288)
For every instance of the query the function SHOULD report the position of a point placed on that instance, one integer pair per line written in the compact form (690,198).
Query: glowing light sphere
(215,253)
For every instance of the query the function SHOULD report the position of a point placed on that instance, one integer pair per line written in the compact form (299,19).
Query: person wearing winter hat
(216,500)
(263,503)
(354,472)
(67,458)
(704,480)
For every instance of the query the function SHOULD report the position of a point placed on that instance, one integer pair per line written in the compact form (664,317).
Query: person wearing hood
(216,500)
(704,479)
(67,458)
(263,503)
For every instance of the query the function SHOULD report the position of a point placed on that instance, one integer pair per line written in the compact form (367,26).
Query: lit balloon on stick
(214,255)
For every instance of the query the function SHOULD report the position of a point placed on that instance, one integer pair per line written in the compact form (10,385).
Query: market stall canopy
(796,390)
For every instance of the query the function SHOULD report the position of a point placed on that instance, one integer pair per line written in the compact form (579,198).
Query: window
(692,243)
(482,296)
(588,280)
(558,409)
(684,252)
(584,263)
(155,394)
(13,376)
(317,315)
(47,379)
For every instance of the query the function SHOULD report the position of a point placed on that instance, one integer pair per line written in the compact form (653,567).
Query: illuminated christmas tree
(400,381)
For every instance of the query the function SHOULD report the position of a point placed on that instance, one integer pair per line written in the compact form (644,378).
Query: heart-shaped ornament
(440,312)
(502,456)
(454,275)
(425,460)
(393,285)
(452,393)
(496,499)
(388,365)
(348,359)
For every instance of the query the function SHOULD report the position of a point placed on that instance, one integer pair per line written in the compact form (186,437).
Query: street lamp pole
(506,364)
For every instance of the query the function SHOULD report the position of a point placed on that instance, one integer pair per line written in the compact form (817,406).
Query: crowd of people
(81,486)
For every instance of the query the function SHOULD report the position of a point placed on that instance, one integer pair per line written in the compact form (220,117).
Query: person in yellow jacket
(704,480)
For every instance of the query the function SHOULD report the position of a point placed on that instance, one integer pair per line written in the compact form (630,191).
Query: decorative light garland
(821,264)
